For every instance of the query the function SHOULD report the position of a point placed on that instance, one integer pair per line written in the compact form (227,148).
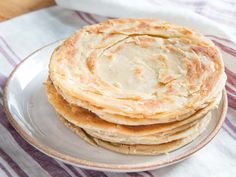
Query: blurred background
(13,8)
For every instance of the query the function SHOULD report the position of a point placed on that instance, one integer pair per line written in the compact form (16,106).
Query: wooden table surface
(13,8)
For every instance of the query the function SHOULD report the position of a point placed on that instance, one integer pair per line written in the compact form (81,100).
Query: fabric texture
(21,36)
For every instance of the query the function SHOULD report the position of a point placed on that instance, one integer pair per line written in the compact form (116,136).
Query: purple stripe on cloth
(8,57)
(47,163)
(225,48)
(73,170)
(82,17)
(5,170)
(133,174)
(91,18)
(220,38)
(3,80)
(230,90)
(12,164)
(9,48)
(230,125)
(230,73)
(92,173)
(1,109)
(231,79)
(230,134)
(149,173)
(232,97)
(231,101)
(85,15)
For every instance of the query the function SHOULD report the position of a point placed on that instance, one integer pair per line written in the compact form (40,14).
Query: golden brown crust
(85,119)
(136,149)
(158,138)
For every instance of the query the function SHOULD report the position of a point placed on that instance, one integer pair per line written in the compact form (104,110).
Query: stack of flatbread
(136,86)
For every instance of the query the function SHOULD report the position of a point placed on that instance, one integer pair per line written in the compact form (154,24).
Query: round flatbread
(138,68)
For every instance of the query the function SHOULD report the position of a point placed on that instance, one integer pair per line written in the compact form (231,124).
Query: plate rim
(97,165)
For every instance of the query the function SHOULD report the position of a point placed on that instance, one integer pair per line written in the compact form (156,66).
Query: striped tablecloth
(22,35)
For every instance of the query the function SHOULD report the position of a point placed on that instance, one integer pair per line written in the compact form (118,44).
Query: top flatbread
(140,68)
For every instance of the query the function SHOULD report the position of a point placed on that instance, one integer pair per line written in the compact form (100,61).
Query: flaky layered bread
(88,120)
(136,86)
(138,68)
(173,135)
(125,120)
(138,149)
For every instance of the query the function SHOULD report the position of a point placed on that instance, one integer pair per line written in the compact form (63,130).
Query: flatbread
(138,68)
(149,139)
(136,86)
(136,149)
(85,119)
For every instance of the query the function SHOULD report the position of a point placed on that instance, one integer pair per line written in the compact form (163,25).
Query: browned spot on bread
(151,104)
(91,61)
(172,41)
(205,67)
(60,70)
(185,40)
(167,79)
(192,88)
(158,27)
(209,83)
(143,41)
(117,49)
(176,50)
(69,45)
(190,70)
(137,71)
(108,36)
(102,28)
(159,85)
(171,89)
(94,29)
(209,51)
(82,77)
(146,39)
(143,25)
(198,66)
(109,56)
(162,58)
(186,31)
(71,51)
(194,71)
(130,30)
(71,41)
